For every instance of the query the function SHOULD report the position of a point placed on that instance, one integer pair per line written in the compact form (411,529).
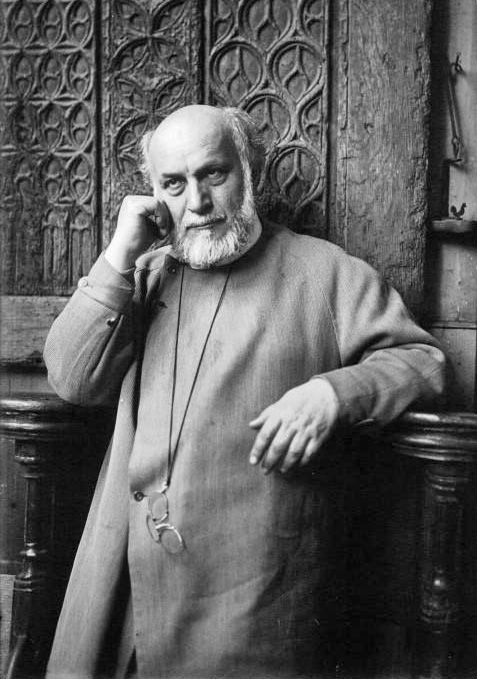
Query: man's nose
(199,199)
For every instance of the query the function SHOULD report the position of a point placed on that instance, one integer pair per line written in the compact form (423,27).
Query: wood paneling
(451,286)
(451,311)
(459,345)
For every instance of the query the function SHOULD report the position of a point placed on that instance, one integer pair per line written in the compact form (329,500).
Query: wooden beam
(382,131)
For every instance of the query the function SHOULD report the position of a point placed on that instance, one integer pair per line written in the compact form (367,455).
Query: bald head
(191,119)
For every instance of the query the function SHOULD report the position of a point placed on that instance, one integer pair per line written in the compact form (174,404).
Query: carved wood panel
(271,58)
(49,144)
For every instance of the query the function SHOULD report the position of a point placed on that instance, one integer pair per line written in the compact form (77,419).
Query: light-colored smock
(251,591)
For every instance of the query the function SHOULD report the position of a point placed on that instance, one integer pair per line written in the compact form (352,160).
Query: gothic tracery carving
(48,149)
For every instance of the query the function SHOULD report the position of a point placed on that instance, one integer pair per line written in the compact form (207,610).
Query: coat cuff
(354,405)
(107,286)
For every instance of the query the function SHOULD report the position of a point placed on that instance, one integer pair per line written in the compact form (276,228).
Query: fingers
(277,448)
(294,453)
(292,430)
(140,205)
(162,219)
(135,229)
(285,447)
(311,449)
(263,439)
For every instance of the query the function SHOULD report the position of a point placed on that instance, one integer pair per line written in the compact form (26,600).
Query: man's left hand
(292,430)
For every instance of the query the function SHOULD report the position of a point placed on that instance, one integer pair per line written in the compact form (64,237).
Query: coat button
(111,322)
(83,282)
(172,268)
(138,495)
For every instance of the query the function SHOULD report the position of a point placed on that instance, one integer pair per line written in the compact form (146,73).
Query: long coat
(251,591)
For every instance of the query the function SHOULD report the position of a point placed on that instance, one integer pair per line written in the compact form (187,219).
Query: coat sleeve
(93,341)
(388,361)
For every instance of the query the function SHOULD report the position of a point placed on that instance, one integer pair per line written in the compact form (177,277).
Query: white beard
(204,249)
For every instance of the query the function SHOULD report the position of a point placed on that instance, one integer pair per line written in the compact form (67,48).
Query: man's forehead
(190,137)
(187,138)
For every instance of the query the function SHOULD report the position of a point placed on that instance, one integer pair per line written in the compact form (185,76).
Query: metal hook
(456,141)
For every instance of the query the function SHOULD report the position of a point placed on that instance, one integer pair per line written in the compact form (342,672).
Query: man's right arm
(91,343)
(94,340)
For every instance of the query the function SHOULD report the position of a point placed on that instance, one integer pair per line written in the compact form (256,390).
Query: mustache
(209,220)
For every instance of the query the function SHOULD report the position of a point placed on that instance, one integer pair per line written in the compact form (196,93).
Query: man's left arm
(387,363)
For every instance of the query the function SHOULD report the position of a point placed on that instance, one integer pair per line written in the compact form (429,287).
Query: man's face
(199,177)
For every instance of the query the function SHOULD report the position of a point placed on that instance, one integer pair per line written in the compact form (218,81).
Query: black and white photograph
(238,339)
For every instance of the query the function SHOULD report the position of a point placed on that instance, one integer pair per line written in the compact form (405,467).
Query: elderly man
(232,355)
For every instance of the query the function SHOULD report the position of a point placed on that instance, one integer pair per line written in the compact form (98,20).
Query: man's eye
(216,175)
(174,185)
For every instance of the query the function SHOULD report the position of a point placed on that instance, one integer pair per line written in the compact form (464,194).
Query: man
(236,350)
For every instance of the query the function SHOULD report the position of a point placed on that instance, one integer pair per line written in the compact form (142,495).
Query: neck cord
(172,452)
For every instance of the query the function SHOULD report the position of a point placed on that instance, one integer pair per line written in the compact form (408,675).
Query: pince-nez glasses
(159,528)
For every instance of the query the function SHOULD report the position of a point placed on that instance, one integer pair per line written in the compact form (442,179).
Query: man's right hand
(141,220)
